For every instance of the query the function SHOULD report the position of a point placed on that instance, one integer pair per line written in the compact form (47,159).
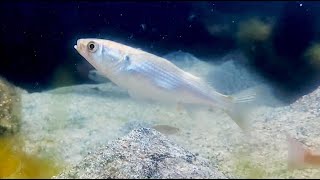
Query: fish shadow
(101,90)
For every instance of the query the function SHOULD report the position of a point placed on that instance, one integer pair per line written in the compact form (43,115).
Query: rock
(231,77)
(143,153)
(59,122)
(73,121)
(309,102)
(134,124)
(10,108)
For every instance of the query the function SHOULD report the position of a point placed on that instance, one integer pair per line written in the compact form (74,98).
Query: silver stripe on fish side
(147,76)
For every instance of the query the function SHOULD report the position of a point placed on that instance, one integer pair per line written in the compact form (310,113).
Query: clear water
(55,108)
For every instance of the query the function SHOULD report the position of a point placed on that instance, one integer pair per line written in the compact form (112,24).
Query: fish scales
(147,76)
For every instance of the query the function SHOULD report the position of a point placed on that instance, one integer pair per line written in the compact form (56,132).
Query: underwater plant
(313,55)
(247,165)
(253,30)
(10,107)
(254,39)
(276,49)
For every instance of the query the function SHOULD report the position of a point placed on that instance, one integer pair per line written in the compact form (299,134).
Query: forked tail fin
(240,106)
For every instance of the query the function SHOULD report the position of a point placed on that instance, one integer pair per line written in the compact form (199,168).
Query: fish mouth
(77,44)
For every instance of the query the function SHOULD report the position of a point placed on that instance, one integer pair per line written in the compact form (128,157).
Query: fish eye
(92,46)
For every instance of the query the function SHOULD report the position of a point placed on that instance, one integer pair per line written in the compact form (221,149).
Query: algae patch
(254,30)
(246,168)
(313,54)
(247,165)
(15,163)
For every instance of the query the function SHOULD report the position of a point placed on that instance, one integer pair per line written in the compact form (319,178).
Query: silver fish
(150,77)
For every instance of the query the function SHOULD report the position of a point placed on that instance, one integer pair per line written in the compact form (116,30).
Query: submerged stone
(143,153)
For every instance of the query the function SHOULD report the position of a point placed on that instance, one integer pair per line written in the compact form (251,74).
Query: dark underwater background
(37,37)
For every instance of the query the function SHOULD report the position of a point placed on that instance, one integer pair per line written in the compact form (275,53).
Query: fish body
(299,156)
(97,77)
(150,77)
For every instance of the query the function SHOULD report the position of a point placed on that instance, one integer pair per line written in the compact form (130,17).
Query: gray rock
(134,124)
(144,153)
(232,77)
(309,103)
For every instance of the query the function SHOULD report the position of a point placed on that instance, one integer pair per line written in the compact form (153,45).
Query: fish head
(101,54)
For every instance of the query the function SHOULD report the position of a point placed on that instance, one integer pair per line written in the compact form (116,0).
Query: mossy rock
(10,108)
